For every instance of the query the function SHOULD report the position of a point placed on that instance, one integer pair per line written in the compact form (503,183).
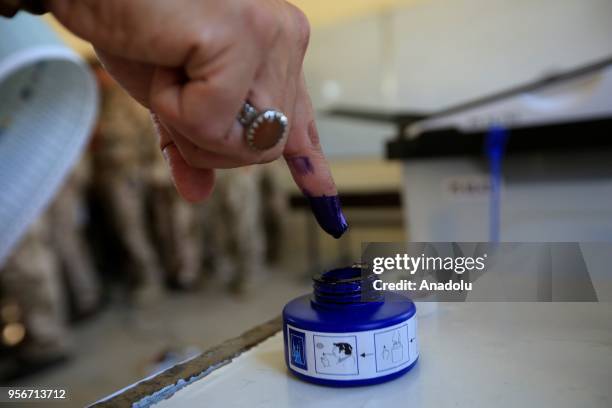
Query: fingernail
(328,212)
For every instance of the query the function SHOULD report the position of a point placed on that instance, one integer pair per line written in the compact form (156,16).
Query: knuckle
(212,132)
(302,27)
(313,135)
(263,23)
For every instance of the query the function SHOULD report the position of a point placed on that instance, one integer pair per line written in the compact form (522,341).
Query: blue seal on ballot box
(348,334)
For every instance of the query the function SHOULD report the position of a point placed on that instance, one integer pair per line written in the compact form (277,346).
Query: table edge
(195,368)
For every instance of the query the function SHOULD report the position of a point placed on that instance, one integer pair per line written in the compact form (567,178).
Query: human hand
(194,63)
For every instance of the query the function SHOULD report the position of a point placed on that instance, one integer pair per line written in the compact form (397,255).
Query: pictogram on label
(297,349)
(336,355)
(392,348)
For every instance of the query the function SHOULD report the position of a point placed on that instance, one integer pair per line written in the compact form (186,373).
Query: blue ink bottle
(347,334)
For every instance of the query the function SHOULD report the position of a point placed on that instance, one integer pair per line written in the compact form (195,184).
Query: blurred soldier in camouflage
(178,229)
(156,227)
(68,215)
(52,253)
(235,240)
(122,155)
(274,211)
(31,281)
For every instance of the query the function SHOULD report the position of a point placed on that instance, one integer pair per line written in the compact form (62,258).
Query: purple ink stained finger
(301,164)
(328,212)
(326,209)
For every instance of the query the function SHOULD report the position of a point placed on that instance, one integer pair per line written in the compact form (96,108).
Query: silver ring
(263,130)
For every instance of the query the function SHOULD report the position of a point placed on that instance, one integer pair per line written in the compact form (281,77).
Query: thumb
(193,184)
(310,169)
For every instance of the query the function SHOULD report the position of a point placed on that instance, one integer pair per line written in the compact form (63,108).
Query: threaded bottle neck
(343,286)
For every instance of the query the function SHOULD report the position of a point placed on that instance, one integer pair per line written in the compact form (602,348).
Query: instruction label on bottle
(353,356)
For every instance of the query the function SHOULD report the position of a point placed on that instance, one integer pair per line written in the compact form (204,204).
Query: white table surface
(471,355)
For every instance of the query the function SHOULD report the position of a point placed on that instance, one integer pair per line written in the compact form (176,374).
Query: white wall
(439,52)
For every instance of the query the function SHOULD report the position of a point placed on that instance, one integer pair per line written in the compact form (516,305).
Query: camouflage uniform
(235,236)
(31,278)
(66,215)
(273,211)
(178,229)
(122,156)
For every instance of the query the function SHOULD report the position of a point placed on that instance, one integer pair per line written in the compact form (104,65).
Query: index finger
(310,169)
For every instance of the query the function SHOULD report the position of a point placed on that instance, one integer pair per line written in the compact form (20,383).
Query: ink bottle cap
(348,334)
